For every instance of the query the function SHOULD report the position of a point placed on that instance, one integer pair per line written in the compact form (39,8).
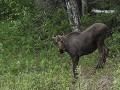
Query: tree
(74,11)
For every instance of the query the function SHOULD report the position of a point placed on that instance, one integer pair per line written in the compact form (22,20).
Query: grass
(32,81)
(50,71)
(45,71)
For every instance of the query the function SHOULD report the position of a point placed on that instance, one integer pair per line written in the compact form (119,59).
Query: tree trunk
(74,14)
(84,3)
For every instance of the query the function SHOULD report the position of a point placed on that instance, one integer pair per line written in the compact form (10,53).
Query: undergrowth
(51,71)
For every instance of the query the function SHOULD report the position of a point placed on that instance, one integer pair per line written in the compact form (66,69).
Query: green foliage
(28,34)
(11,9)
(103,4)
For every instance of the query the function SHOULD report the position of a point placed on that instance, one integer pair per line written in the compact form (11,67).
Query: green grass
(46,71)
(33,81)
(50,71)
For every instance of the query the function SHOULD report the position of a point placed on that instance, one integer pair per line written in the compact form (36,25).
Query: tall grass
(48,70)
(45,71)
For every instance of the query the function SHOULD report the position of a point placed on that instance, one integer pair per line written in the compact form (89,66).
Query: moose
(82,43)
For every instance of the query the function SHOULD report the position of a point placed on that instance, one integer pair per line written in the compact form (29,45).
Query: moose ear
(62,38)
(56,38)
(53,37)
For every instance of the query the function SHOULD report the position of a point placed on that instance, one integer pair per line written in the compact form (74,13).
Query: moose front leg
(75,61)
(106,51)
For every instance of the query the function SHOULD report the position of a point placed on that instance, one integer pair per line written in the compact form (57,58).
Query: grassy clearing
(46,71)
(50,71)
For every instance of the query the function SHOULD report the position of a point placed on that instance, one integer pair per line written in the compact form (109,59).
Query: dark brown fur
(78,44)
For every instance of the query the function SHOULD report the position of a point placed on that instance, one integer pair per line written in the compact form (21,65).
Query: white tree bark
(83,6)
(103,11)
(73,14)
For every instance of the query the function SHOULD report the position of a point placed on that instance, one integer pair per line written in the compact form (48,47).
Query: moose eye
(62,41)
(56,42)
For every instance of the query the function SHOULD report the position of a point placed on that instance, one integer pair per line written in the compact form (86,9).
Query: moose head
(59,40)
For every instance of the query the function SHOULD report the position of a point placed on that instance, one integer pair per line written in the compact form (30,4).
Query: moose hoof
(74,80)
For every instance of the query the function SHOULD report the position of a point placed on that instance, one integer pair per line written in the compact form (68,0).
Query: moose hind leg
(106,51)
(103,51)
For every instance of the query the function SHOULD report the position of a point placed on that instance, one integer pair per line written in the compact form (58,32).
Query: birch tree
(74,14)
